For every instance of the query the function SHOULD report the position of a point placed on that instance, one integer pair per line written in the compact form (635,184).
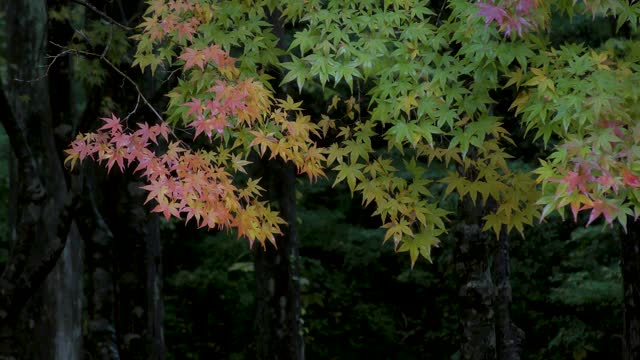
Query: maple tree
(235,112)
(431,80)
(428,79)
(422,100)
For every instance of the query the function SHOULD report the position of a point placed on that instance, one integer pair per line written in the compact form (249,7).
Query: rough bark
(477,292)
(630,266)
(42,221)
(509,337)
(278,323)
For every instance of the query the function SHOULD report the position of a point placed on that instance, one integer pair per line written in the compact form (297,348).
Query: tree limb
(102,14)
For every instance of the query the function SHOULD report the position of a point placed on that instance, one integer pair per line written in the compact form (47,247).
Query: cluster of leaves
(237,114)
(430,78)
(181,181)
(512,17)
(588,100)
(427,78)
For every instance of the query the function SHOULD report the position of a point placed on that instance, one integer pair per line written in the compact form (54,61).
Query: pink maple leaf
(575,179)
(219,87)
(214,107)
(630,178)
(162,129)
(167,209)
(601,207)
(217,122)
(491,12)
(525,6)
(193,57)
(112,124)
(517,24)
(195,106)
(608,182)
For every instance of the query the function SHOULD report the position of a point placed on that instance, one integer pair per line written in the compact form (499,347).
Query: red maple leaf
(187,29)
(193,57)
(630,178)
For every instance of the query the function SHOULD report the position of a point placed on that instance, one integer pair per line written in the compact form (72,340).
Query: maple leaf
(526,6)
(420,244)
(215,54)
(195,107)
(162,129)
(517,23)
(116,157)
(157,189)
(167,209)
(187,29)
(630,178)
(73,157)
(145,134)
(601,207)
(206,126)
(219,87)
(608,182)
(491,12)
(112,124)
(193,57)
(576,179)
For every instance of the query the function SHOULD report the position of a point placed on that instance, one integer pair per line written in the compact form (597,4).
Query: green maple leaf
(420,244)
(351,173)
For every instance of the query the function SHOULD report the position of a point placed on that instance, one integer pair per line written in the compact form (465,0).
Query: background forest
(131,285)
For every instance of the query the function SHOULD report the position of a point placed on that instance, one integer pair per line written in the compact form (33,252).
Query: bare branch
(46,73)
(114,67)
(102,14)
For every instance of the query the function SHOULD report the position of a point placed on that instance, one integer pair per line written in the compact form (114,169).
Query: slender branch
(102,14)
(114,67)
(46,73)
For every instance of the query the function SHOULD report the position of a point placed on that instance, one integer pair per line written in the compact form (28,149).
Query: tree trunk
(630,266)
(278,322)
(477,292)
(51,327)
(508,335)
(137,274)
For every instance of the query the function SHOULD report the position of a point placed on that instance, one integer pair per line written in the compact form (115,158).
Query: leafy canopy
(425,81)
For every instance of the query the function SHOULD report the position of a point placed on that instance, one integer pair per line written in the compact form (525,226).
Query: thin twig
(125,76)
(134,109)
(46,73)
(102,14)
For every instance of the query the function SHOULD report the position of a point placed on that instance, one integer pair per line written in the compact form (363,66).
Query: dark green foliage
(209,297)
(567,292)
(361,300)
